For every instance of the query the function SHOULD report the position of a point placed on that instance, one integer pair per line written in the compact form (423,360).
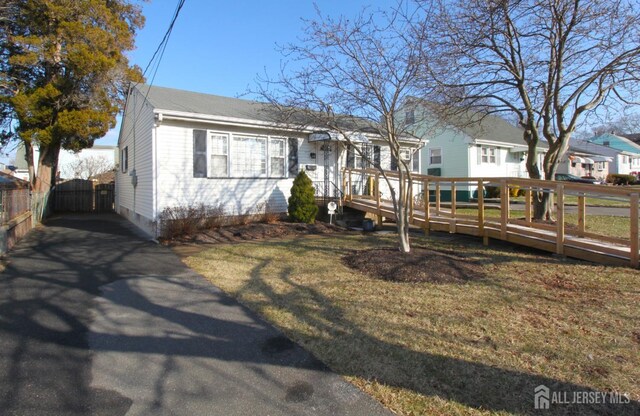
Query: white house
(488,148)
(589,159)
(625,152)
(181,148)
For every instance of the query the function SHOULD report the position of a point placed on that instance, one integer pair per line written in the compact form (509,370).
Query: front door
(327,157)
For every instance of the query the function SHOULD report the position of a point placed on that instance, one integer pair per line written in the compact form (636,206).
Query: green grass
(605,225)
(470,349)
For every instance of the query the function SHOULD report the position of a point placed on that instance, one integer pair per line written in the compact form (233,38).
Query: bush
(492,192)
(302,202)
(619,179)
(184,220)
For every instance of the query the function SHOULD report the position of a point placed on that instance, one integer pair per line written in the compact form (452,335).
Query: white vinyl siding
(237,196)
(136,202)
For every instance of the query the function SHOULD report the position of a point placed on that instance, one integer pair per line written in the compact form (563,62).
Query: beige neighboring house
(71,165)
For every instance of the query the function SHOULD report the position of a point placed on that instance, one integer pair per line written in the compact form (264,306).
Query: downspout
(154,145)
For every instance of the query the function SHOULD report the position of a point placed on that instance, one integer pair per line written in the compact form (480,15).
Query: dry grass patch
(480,347)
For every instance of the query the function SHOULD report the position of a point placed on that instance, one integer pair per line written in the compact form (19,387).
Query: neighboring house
(489,148)
(628,157)
(617,161)
(181,148)
(73,165)
(579,162)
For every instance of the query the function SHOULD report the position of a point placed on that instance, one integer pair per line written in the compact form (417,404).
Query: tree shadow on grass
(345,347)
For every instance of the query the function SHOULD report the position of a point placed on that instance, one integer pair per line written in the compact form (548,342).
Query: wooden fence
(429,211)
(79,195)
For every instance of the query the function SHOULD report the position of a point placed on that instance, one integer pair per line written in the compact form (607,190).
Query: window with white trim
(219,155)
(435,156)
(276,157)
(249,156)
(124,159)
(488,154)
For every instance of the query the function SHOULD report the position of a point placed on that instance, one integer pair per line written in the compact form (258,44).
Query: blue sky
(219,47)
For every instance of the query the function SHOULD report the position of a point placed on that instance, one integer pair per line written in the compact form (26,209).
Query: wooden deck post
(633,246)
(426,205)
(504,208)
(344,184)
(410,190)
(581,215)
(377,194)
(480,209)
(350,187)
(527,206)
(560,219)
(452,223)
(438,198)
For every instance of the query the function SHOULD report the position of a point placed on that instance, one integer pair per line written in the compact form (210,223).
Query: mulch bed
(253,231)
(420,265)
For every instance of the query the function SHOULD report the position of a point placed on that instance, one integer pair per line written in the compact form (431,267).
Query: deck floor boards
(543,238)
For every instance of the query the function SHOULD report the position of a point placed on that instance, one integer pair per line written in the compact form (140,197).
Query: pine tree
(302,202)
(63,73)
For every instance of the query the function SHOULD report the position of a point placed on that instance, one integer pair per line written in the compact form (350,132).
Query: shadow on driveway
(94,320)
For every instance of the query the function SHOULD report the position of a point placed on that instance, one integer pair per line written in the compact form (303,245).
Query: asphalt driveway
(94,320)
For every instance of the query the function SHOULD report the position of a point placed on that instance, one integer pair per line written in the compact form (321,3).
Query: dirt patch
(254,231)
(420,265)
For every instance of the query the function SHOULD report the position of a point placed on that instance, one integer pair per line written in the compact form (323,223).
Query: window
(435,156)
(488,154)
(219,155)
(124,160)
(224,155)
(276,157)
(249,157)
(405,154)
(409,117)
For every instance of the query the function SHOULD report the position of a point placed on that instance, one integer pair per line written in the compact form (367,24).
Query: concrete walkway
(96,321)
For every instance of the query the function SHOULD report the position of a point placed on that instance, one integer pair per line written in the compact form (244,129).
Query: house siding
(237,196)
(136,202)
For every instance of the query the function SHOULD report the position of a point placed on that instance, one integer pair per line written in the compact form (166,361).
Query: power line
(162,46)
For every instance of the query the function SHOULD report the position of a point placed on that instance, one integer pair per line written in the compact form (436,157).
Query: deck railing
(435,205)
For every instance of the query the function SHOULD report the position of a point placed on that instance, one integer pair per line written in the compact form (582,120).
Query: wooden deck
(557,238)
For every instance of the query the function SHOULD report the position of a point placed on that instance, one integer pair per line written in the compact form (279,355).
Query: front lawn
(476,345)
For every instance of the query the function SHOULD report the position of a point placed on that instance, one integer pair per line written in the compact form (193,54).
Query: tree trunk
(542,209)
(28,157)
(47,168)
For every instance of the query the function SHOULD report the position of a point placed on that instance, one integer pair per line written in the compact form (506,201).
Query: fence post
(633,246)
(480,209)
(378,210)
(581,215)
(426,206)
(504,208)
(560,219)
(350,187)
(528,195)
(452,224)
(438,198)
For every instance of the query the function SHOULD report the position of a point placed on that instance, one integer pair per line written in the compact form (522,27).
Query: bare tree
(548,62)
(352,77)
(87,167)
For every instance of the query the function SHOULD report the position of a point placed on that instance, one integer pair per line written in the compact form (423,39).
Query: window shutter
(293,156)
(199,154)
(416,161)
(498,152)
(350,157)
(479,155)
(376,156)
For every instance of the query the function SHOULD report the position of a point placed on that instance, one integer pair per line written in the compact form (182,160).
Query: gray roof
(593,148)
(170,99)
(497,129)
(162,98)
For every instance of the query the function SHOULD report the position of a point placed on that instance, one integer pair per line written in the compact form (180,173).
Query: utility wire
(162,46)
